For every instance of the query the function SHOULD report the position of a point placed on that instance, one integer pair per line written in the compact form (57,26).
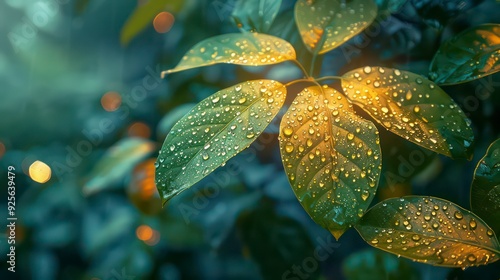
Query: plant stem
(296,62)
(313,61)
(328,78)
(299,81)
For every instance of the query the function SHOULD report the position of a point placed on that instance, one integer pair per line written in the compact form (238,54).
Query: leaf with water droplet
(215,130)
(250,49)
(412,107)
(429,230)
(327,24)
(119,160)
(470,55)
(331,157)
(485,189)
(255,15)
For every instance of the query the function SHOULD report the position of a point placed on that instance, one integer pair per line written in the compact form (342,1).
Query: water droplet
(458,215)
(367,69)
(250,135)
(397,72)
(418,80)
(376,84)
(350,136)
(415,237)
(364,195)
(471,258)
(238,88)
(374,241)
(287,131)
(172,148)
(472,224)
(205,156)
(489,233)
(216,99)
(242,100)
(416,109)
(289,147)
(206,146)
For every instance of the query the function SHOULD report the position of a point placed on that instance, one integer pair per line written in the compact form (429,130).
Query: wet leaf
(467,56)
(118,161)
(218,128)
(429,230)
(377,265)
(143,16)
(412,107)
(485,189)
(256,15)
(326,24)
(331,157)
(251,49)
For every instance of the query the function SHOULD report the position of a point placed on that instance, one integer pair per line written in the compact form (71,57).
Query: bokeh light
(2,149)
(139,129)
(144,232)
(111,101)
(163,22)
(40,172)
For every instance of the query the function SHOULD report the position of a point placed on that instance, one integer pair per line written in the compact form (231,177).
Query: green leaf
(256,15)
(470,55)
(276,243)
(389,6)
(412,107)
(143,16)
(117,162)
(331,157)
(218,128)
(326,24)
(252,49)
(377,265)
(429,230)
(485,189)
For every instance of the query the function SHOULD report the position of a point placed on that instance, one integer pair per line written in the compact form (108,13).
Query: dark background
(99,217)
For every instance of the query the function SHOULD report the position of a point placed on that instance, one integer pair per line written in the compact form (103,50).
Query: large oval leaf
(326,24)
(485,189)
(331,157)
(469,55)
(429,230)
(252,49)
(218,128)
(411,107)
(255,15)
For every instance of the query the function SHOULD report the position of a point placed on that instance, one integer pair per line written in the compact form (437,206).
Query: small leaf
(412,107)
(485,189)
(429,230)
(331,157)
(470,55)
(326,24)
(390,6)
(256,15)
(375,264)
(250,49)
(143,16)
(218,128)
(118,161)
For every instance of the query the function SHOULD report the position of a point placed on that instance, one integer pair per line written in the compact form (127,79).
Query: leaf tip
(337,233)
(165,73)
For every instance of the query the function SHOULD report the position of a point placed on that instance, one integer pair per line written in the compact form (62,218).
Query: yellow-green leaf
(412,107)
(470,55)
(255,15)
(331,157)
(215,130)
(252,49)
(485,189)
(116,163)
(143,16)
(326,24)
(429,230)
